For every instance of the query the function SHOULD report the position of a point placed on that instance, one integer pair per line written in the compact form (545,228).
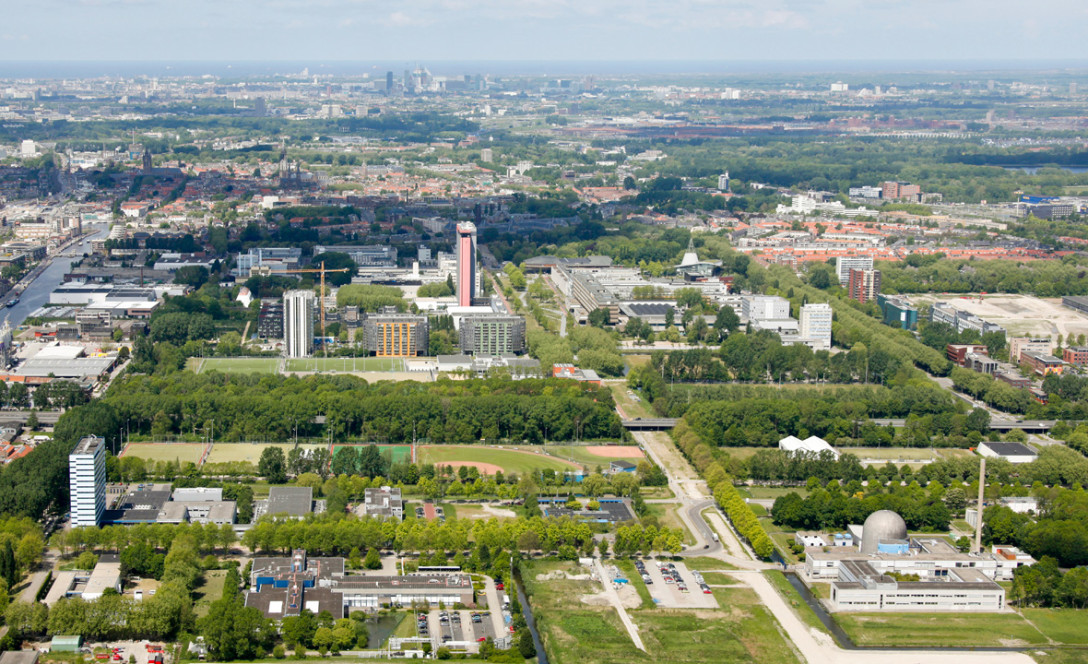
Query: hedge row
(721,486)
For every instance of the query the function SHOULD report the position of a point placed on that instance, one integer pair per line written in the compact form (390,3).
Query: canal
(37,293)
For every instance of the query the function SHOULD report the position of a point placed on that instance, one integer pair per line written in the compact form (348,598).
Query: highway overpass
(1027,426)
(650,424)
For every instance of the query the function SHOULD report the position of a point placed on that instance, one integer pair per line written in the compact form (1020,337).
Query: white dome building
(882,526)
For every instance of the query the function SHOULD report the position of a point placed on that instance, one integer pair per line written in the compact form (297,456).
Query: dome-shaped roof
(882,526)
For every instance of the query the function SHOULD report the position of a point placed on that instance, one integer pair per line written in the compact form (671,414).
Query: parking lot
(674,586)
(457,630)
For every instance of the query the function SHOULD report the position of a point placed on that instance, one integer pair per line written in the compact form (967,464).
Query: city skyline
(607,30)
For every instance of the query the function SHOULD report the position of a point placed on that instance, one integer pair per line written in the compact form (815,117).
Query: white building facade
(815,325)
(87,481)
(298,323)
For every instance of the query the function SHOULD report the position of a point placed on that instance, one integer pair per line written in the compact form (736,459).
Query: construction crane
(321,305)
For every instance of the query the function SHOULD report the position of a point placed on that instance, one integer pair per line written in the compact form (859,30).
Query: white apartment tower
(815,325)
(87,481)
(844,264)
(298,323)
(765,307)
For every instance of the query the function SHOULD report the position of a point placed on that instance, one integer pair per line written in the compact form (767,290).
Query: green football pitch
(345,364)
(268,365)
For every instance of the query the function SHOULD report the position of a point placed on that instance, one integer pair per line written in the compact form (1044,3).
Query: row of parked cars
(672,576)
(702,584)
(641,567)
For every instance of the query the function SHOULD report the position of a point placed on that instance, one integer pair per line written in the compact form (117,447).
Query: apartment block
(87,481)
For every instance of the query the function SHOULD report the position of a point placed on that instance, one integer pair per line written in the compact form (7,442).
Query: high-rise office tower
(87,481)
(388,81)
(466,263)
(298,323)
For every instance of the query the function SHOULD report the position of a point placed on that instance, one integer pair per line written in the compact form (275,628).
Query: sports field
(183,452)
(248,452)
(345,364)
(594,455)
(396,453)
(269,365)
(491,458)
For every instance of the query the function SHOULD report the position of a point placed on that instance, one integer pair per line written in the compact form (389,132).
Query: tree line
(720,482)
(748,415)
(761,357)
(255,407)
(1059,531)
(1047,278)
(339,535)
(833,509)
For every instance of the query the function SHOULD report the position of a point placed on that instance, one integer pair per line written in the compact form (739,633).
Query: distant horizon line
(545,60)
(50,69)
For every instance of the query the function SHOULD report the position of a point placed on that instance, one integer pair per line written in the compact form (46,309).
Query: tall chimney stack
(981,496)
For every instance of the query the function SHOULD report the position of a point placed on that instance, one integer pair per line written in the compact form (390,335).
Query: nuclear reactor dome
(882,526)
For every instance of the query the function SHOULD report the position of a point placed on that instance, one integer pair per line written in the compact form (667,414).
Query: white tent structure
(813,445)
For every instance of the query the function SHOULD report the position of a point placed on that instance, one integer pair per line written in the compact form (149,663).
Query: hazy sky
(421,30)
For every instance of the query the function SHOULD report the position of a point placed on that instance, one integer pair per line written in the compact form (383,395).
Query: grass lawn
(183,452)
(510,461)
(406,628)
(1059,656)
(955,453)
(634,361)
(893,453)
(345,364)
(248,452)
(635,579)
(209,591)
(745,633)
(794,599)
(575,633)
(581,454)
(1062,625)
(781,540)
(719,579)
(649,492)
(268,365)
(742,452)
(772,492)
(702,564)
(631,408)
(668,517)
(938,629)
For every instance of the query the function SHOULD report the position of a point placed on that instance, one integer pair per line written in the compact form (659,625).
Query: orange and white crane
(321,306)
